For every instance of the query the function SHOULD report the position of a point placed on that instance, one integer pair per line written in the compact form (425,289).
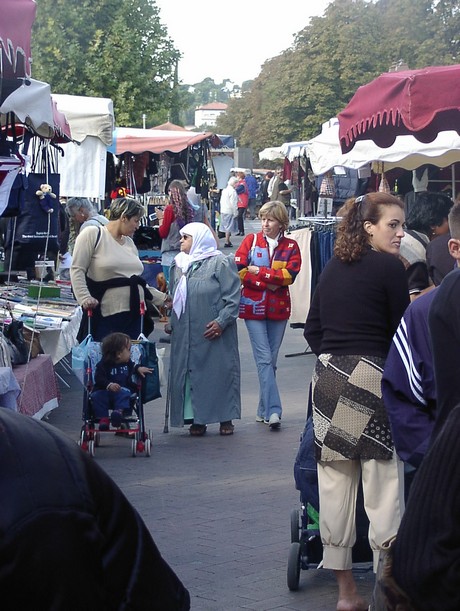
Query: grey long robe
(213,366)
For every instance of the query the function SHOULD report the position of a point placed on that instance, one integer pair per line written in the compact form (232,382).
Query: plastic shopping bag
(80,358)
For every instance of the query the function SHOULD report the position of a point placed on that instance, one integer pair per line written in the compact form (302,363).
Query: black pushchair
(306,550)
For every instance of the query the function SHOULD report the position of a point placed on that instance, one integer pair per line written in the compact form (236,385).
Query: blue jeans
(266,337)
(103,400)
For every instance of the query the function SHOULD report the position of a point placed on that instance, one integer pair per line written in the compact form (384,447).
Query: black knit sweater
(356,307)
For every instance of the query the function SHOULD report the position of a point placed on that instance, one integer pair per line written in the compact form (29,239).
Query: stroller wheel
(148,447)
(91,446)
(293,568)
(133,448)
(295,527)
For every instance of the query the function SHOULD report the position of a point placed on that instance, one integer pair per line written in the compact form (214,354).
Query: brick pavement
(219,507)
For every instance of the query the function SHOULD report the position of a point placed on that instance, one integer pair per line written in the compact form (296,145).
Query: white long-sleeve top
(106,261)
(229,201)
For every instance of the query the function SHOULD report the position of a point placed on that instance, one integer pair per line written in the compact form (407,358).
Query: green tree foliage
(352,43)
(448,13)
(115,49)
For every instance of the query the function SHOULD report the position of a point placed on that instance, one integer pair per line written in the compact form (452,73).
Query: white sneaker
(274,422)
(259,419)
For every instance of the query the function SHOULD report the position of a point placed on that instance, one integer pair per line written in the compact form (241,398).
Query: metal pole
(143,120)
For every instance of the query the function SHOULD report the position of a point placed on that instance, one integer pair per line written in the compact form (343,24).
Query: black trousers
(241,213)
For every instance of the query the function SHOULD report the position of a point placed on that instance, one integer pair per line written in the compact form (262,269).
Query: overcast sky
(232,40)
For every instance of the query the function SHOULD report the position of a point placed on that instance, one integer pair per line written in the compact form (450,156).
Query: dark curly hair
(179,202)
(429,210)
(352,239)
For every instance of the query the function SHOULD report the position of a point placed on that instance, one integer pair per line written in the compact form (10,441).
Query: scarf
(203,246)
(272,244)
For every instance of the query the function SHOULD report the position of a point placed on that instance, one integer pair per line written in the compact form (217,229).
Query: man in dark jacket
(69,539)
(253,186)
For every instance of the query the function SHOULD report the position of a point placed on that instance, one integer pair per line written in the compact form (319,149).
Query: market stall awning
(16,20)
(271,153)
(420,103)
(135,140)
(83,166)
(32,106)
(291,150)
(324,151)
(172,127)
(87,116)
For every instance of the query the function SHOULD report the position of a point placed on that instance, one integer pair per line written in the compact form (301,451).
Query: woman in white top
(228,210)
(106,272)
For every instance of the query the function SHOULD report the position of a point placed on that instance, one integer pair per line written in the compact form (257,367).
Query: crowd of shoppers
(359,326)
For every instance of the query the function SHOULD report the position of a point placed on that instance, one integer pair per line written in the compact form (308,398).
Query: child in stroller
(109,385)
(113,383)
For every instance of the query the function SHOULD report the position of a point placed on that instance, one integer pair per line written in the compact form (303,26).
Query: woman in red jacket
(241,189)
(177,213)
(268,262)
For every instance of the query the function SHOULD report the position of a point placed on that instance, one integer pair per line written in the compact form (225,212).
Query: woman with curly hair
(176,214)
(356,308)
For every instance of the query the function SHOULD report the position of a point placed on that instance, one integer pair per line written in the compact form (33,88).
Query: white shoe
(259,419)
(274,422)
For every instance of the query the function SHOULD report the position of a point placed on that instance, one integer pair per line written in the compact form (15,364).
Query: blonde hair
(278,211)
(126,206)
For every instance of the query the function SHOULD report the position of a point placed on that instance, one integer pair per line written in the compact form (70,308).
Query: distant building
(208,114)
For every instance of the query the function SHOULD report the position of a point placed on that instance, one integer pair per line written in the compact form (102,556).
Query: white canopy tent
(272,153)
(32,105)
(291,150)
(324,151)
(83,167)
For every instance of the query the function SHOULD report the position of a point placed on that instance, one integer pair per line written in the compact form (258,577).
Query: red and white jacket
(265,295)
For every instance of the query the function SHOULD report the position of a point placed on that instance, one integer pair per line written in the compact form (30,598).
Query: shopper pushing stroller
(113,381)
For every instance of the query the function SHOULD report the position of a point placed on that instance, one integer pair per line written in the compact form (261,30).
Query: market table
(58,342)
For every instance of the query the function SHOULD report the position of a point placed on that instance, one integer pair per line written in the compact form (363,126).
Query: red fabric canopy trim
(420,103)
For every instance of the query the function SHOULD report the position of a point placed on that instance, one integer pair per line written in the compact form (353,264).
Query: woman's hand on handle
(89,303)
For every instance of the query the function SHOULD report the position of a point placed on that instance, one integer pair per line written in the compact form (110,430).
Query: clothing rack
(318,221)
(315,223)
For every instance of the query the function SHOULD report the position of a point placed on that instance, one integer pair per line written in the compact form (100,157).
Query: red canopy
(135,140)
(16,20)
(420,103)
(172,127)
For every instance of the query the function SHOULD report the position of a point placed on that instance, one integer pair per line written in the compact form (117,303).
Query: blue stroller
(306,550)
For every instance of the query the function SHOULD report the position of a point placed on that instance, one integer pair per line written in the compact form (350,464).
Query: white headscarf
(203,246)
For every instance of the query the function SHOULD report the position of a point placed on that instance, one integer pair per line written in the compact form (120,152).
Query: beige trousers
(383,488)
